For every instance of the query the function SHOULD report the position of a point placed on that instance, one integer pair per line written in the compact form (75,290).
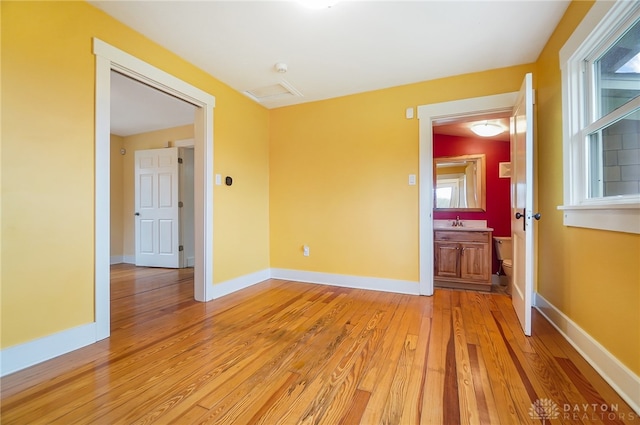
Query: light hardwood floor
(287,353)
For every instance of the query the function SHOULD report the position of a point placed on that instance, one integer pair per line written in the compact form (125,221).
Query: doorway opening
(430,116)
(471,193)
(522,193)
(109,58)
(147,127)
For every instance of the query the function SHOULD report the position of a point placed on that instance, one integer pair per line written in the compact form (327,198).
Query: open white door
(157,211)
(522,203)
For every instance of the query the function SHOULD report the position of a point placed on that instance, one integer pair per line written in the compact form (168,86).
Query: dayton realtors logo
(545,410)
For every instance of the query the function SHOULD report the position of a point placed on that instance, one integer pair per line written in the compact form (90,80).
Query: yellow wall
(48,86)
(331,174)
(116,216)
(339,173)
(339,176)
(592,276)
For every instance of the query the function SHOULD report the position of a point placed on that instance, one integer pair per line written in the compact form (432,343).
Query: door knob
(137,213)
(536,216)
(519,215)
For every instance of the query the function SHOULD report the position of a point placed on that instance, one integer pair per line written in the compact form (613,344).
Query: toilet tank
(503,247)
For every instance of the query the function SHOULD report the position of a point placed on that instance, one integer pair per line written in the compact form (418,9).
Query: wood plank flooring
(291,353)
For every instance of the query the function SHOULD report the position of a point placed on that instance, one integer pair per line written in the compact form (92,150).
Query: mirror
(460,183)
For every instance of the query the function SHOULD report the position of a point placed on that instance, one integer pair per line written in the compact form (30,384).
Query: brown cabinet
(463,259)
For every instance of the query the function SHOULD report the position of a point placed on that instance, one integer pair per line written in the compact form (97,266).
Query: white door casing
(428,116)
(157,215)
(110,58)
(522,204)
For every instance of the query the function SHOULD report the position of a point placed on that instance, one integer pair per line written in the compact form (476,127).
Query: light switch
(408,113)
(412,179)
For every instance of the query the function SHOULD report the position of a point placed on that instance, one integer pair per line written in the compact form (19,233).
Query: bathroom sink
(463,228)
(467,225)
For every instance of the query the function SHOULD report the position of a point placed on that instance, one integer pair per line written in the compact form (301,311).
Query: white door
(156,208)
(522,204)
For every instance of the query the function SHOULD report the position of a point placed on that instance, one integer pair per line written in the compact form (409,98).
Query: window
(601,116)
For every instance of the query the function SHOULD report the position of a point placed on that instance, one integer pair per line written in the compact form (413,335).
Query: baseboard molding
(116,259)
(620,377)
(347,281)
(129,259)
(233,285)
(18,357)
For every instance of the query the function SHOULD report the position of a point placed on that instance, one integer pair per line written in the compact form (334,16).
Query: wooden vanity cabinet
(463,259)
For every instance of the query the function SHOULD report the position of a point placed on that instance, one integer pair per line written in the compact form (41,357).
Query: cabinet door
(474,261)
(446,259)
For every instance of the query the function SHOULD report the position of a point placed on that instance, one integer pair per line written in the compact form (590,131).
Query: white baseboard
(191,261)
(129,259)
(233,285)
(18,357)
(126,259)
(620,377)
(347,281)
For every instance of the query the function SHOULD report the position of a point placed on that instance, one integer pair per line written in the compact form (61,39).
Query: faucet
(457,222)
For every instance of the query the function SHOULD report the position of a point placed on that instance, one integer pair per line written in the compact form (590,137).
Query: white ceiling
(352,47)
(137,108)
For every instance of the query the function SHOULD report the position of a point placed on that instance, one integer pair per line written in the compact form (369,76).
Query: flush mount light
(487,129)
(318,4)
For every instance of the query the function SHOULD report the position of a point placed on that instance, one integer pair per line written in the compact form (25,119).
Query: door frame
(428,115)
(110,58)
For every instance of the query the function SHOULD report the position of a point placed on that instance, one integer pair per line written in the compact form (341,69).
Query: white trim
(603,19)
(18,357)
(428,114)
(229,286)
(129,259)
(102,223)
(110,58)
(183,143)
(347,281)
(621,219)
(116,259)
(620,377)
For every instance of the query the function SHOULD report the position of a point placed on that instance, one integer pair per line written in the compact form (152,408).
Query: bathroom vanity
(463,257)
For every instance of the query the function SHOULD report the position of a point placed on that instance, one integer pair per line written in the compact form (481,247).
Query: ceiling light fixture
(318,4)
(281,67)
(487,129)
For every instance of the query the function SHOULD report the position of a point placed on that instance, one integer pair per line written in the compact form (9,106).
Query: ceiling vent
(279,91)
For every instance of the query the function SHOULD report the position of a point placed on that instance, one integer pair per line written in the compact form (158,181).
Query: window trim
(621,213)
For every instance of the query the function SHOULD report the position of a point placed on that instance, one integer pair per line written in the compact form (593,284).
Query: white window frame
(605,20)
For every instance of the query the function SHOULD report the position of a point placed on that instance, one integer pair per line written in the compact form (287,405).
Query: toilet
(503,252)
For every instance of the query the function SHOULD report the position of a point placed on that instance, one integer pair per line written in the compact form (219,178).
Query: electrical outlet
(305,250)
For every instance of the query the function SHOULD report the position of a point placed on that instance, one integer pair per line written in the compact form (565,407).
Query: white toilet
(503,252)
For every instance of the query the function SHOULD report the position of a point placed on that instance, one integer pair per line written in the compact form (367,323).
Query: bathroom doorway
(473,203)
(441,113)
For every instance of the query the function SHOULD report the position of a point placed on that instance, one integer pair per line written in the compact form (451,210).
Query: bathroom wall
(498,191)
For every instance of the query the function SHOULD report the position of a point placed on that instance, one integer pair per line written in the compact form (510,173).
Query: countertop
(465,229)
